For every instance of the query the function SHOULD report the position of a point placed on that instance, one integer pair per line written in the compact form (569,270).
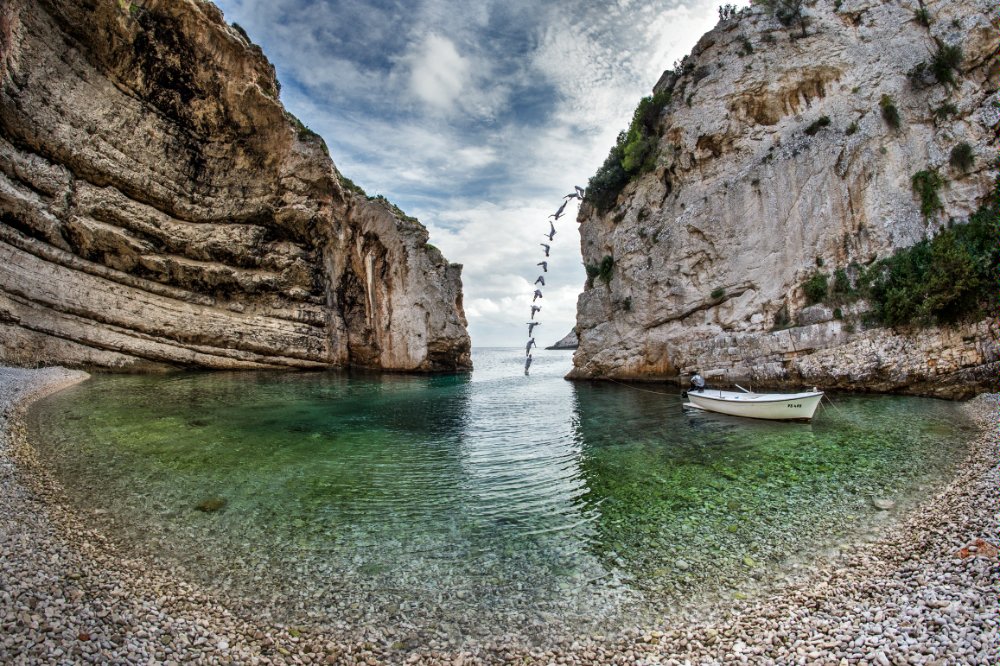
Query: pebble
(922,593)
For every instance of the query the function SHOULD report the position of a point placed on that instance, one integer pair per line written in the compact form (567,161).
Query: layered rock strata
(774,158)
(159,208)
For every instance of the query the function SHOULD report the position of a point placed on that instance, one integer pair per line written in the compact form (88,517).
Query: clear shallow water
(466,506)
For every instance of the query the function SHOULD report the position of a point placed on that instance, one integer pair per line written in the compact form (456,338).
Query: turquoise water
(466,506)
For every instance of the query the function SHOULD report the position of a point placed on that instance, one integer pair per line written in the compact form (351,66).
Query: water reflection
(472,505)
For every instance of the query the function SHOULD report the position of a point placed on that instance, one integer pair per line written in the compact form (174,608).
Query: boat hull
(777,407)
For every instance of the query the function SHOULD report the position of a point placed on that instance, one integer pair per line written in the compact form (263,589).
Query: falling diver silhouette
(578,193)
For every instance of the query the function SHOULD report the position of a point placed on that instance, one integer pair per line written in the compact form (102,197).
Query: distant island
(569,342)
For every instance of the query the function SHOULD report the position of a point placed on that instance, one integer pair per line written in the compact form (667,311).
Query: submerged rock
(883,504)
(211,504)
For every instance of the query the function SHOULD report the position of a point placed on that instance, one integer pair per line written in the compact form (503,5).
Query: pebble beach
(925,592)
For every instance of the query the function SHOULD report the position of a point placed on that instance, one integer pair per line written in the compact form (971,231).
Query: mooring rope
(636,388)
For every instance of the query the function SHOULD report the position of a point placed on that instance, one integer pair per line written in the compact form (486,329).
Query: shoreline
(914,596)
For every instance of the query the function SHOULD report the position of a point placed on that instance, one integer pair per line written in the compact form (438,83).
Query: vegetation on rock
(606,268)
(941,280)
(945,62)
(926,184)
(787,12)
(816,287)
(634,153)
(945,111)
(815,127)
(396,210)
(350,185)
(962,156)
(889,112)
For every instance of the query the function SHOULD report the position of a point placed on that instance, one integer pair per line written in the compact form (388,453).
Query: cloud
(437,73)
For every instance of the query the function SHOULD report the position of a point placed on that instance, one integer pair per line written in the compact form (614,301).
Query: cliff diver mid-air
(559,213)
(538,294)
(547,247)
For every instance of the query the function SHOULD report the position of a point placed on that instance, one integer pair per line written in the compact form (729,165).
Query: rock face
(159,208)
(710,250)
(568,342)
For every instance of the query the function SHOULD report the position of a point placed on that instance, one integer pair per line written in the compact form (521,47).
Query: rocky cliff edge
(777,159)
(159,208)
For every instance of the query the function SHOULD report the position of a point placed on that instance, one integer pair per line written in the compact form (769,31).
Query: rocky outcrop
(159,208)
(774,157)
(570,341)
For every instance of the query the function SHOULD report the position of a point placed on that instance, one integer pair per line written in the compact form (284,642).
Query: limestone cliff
(568,342)
(773,157)
(159,208)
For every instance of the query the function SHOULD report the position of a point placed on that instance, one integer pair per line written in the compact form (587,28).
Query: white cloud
(437,72)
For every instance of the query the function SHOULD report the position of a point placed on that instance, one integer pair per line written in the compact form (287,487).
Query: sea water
(473,505)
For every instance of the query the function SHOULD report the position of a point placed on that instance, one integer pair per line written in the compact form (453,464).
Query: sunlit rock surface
(159,208)
(711,249)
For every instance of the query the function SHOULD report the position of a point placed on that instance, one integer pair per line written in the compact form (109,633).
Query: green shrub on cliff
(816,287)
(890,114)
(962,157)
(603,188)
(633,153)
(815,127)
(350,185)
(396,210)
(606,268)
(941,280)
(945,62)
(926,184)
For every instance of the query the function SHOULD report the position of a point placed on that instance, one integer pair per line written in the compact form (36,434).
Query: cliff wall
(774,159)
(159,208)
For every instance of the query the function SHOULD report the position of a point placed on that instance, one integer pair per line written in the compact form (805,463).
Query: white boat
(775,406)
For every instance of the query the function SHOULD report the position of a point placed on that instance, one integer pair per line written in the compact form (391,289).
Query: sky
(477,116)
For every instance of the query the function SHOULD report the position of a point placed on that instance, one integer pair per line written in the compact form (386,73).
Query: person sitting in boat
(697,382)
